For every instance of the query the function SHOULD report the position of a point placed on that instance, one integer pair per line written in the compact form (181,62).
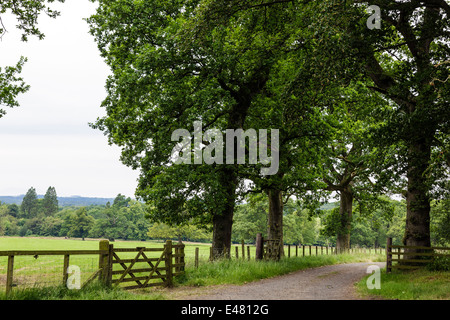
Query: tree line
(362,112)
(124,218)
(127,219)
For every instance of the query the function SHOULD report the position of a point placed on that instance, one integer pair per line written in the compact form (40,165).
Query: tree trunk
(222,226)
(417,229)
(345,213)
(223,219)
(275,225)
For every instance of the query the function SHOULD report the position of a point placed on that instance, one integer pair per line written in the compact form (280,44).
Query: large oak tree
(407,62)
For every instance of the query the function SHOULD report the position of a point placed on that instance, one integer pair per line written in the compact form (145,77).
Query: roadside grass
(419,284)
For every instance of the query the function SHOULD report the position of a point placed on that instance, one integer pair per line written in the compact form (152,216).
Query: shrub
(439,264)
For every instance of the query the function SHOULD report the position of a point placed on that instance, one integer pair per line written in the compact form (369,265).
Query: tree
(80,223)
(29,206)
(13,210)
(300,226)
(250,218)
(51,226)
(27,13)
(121,201)
(349,160)
(50,202)
(440,222)
(289,102)
(168,73)
(113,226)
(185,232)
(125,219)
(406,61)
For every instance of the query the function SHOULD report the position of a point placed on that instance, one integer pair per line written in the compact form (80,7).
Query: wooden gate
(149,267)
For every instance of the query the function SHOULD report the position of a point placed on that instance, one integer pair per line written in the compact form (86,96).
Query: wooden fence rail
(155,268)
(411,257)
(260,252)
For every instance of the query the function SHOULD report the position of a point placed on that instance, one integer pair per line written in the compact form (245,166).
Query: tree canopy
(27,14)
(360,110)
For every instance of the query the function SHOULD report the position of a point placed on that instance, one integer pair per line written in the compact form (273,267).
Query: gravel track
(335,282)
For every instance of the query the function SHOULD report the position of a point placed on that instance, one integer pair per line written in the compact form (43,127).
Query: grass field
(47,270)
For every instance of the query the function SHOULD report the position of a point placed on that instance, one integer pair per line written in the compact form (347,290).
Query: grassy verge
(95,291)
(410,285)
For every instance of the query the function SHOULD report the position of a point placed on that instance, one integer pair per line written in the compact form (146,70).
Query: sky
(47,141)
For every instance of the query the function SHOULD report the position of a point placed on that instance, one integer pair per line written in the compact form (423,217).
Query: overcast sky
(47,140)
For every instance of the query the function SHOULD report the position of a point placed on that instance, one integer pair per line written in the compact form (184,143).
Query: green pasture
(44,270)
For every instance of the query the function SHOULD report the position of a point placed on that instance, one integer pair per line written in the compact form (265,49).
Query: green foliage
(50,202)
(26,13)
(440,222)
(184,232)
(439,264)
(29,204)
(80,224)
(11,85)
(250,218)
(333,224)
(125,219)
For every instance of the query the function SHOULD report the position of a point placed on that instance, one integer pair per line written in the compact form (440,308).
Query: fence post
(243,249)
(65,267)
(289,250)
(196,257)
(168,263)
(177,257)
(104,261)
(237,252)
(181,256)
(248,253)
(303,247)
(9,274)
(259,246)
(388,255)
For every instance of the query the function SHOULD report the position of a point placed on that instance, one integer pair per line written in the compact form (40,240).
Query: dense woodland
(360,101)
(127,219)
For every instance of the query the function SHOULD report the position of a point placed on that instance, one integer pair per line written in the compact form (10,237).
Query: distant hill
(62,201)
(80,201)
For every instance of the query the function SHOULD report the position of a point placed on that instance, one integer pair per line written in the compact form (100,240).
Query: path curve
(335,282)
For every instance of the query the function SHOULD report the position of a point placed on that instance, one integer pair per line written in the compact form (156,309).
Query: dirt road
(334,282)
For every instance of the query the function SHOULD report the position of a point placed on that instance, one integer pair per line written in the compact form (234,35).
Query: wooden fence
(411,257)
(162,268)
(259,252)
